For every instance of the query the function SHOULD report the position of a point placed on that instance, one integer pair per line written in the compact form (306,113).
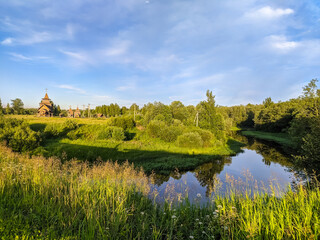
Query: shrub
(206,136)
(18,135)
(155,128)
(59,130)
(125,122)
(190,140)
(118,134)
(170,133)
(94,132)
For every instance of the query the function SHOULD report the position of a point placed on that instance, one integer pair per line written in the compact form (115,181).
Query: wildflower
(219,206)
(173,216)
(199,195)
(192,237)
(200,223)
(203,232)
(197,219)
(208,216)
(142,213)
(225,228)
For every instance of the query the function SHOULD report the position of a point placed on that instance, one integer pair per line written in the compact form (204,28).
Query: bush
(118,134)
(94,132)
(190,140)
(155,128)
(170,133)
(125,122)
(205,135)
(59,130)
(159,129)
(18,135)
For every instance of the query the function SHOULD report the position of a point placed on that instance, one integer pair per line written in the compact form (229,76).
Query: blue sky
(126,51)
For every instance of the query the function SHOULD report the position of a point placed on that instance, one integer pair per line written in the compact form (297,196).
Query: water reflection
(260,161)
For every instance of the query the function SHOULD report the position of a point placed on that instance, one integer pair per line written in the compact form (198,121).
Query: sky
(140,51)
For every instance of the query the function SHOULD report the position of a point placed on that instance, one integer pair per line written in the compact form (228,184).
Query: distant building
(70,113)
(77,113)
(46,107)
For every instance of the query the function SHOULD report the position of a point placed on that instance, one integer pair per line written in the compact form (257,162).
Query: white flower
(142,213)
(191,237)
(225,228)
(197,219)
(200,223)
(203,232)
(219,206)
(199,195)
(173,216)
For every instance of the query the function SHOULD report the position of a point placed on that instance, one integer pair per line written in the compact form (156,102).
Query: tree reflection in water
(202,179)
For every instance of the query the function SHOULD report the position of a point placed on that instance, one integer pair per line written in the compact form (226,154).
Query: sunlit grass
(281,138)
(44,199)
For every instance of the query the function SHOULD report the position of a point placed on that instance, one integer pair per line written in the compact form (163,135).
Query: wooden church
(46,107)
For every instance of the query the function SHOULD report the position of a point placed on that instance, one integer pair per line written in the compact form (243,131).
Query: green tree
(312,96)
(17,106)
(179,111)
(8,109)
(209,118)
(1,108)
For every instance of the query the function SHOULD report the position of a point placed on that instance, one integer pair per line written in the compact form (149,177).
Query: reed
(44,199)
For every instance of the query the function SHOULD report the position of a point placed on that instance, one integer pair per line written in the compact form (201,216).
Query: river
(259,165)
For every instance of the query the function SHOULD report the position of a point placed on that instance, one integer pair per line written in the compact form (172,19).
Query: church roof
(46,96)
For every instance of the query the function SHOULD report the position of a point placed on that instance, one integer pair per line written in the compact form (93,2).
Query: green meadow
(89,141)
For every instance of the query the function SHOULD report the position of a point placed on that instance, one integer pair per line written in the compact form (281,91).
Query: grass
(44,199)
(150,153)
(281,138)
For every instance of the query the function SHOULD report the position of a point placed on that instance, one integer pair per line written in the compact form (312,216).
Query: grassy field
(42,198)
(281,138)
(150,153)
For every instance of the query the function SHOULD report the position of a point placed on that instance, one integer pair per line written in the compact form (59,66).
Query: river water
(260,165)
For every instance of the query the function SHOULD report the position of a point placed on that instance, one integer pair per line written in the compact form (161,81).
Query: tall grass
(44,199)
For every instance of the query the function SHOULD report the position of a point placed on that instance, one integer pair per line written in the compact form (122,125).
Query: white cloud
(7,41)
(20,57)
(75,89)
(281,43)
(269,13)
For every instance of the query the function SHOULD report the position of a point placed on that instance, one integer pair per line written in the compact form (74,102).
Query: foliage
(310,148)
(17,105)
(1,108)
(125,122)
(190,140)
(18,135)
(95,132)
(60,129)
(159,129)
(209,118)
(206,136)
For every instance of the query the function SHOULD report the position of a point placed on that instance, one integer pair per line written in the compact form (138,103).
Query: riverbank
(92,139)
(43,199)
(280,138)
